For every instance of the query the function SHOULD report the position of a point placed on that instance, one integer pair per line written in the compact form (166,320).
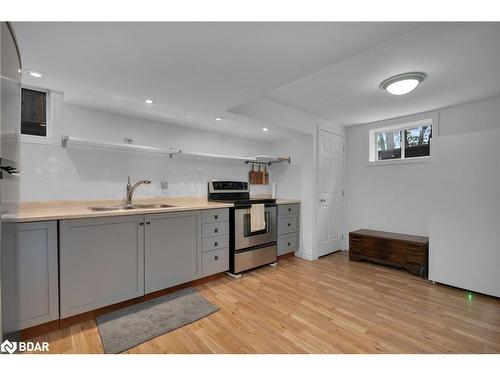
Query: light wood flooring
(326,306)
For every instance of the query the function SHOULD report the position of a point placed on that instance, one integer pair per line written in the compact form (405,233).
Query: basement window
(404,141)
(33,112)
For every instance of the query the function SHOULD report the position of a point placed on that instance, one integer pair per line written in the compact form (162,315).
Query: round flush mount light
(218,118)
(402,83)
(35,74)
(149,101)
(265,129)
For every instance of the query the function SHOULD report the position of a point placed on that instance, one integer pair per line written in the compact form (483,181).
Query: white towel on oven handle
(257,217)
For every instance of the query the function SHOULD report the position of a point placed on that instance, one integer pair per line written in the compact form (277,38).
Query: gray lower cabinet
(288,228)
(215,241)
(172,250)
(101,262)
(33,290)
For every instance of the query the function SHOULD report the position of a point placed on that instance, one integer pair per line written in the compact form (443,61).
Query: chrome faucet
(131,189)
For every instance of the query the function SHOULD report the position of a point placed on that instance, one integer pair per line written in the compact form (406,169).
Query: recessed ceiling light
(35,74)
(402,83)
(265,129)
(149,101)
(218,119)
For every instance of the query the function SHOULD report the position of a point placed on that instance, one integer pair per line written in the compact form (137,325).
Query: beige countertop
(287,201)
(59,210)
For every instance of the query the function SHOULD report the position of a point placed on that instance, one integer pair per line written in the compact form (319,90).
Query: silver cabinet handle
(148,222)
(141,224)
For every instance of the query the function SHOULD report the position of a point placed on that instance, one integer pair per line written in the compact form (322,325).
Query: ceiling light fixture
(35,74)
(149,101)
(265,129)
(218,119)
(402,83)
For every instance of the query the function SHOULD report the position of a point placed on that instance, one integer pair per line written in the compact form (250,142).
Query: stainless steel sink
(156,205)
(130,207)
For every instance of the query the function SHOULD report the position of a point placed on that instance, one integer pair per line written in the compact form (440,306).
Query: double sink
(130,207)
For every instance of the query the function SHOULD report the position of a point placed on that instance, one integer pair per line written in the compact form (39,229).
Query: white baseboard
(305,256)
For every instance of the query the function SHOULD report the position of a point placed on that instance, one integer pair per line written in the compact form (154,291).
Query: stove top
(236,192)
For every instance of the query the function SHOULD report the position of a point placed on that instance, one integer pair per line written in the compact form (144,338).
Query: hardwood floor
(326,306)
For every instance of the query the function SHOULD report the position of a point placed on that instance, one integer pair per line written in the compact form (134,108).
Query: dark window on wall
(417,141)
(33,112)
(389,145)
(401,142)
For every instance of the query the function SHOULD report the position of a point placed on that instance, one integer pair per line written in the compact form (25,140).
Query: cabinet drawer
(384,249)
(415,254)
(211,243)
(288,243)
(215,229)
(355,243)
(215,261)
(288,224)
(215,216)
(288,209)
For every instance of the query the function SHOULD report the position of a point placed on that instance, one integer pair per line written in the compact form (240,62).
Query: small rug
(123,329)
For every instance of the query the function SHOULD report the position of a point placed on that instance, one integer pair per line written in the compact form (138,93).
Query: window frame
(400,124)
(48,122)
(54,118)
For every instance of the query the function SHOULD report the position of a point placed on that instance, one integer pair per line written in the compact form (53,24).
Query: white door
(330,192)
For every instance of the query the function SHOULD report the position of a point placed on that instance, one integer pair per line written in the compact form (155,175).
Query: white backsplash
(51,172)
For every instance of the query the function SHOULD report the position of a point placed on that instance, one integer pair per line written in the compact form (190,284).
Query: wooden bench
(393,249)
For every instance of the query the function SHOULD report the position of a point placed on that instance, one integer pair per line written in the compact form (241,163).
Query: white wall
(51,172)
(396,197)
(296,181)
(465,212)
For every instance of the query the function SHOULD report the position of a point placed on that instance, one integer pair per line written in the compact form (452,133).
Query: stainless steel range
(248,249)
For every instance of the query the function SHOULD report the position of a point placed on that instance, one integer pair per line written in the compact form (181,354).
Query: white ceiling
(197,71)
(462,62)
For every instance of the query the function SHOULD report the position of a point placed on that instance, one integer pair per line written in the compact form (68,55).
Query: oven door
(244,237)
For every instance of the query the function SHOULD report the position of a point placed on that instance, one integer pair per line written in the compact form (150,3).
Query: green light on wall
(470,296)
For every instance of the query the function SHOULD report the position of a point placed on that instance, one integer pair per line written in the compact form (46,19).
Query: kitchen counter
(287,201)
(59,210)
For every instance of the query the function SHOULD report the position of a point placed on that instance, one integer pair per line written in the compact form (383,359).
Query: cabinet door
(101,262)
(173,249)
(33,292)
